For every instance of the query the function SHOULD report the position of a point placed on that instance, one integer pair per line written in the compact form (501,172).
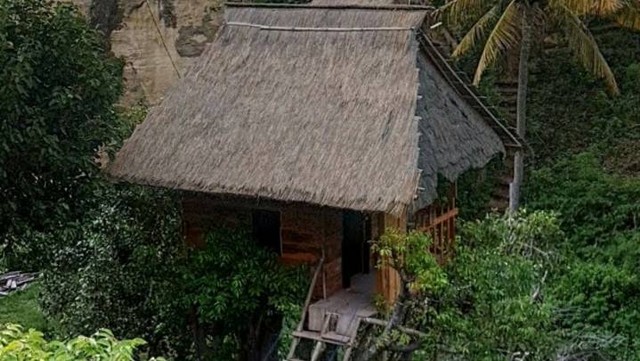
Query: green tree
(117,267)
(487,303)
(56,112)
(504,25)
(239,294)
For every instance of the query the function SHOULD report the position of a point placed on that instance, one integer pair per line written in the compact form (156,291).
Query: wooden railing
(439,220)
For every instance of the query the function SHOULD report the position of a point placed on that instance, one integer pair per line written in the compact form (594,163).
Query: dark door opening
(266,229)
(355,245)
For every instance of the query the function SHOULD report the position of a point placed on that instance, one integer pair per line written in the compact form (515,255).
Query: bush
(495,308)
(598,295)
(514,295)
(490,303)
(596,285)
(118,268)
(600,300)
(594,206)
(17,344)
(127,269)
(240,294)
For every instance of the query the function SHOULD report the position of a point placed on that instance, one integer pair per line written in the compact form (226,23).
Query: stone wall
(305,229)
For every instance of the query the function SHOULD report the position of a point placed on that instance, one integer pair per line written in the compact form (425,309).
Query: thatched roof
(454,137)
(314,105)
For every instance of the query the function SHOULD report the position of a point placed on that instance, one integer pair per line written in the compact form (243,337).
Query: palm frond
(590,7)
(477,32)
(628,17)
(505,35)
(586,49)
(456,11)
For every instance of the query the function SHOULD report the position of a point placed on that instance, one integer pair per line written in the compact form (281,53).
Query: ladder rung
(336,337)
(315,337)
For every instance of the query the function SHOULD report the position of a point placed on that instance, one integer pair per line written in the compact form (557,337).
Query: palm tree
(504,25)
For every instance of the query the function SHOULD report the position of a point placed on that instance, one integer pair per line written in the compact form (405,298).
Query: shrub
(495,308)
(126,269)
(593,204)
(596,285)
(17,344)
(488,303)
(240,294)
(118,268)
(599,295)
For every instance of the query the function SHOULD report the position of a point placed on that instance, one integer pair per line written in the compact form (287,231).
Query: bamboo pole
(325,29)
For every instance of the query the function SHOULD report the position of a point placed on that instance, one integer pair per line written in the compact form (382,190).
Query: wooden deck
(348,304)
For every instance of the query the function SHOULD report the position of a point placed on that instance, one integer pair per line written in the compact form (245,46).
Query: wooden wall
(305,229)
(387,279)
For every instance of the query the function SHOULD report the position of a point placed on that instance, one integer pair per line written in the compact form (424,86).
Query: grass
(22,308)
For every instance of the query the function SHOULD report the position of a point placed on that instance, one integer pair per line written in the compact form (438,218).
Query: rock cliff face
(158,39)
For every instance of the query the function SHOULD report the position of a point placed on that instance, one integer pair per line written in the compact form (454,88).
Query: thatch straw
(317,117)
(322,17)
(352,2)
(455,138)
(279,107)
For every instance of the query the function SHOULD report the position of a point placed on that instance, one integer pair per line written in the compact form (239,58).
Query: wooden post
(388,282)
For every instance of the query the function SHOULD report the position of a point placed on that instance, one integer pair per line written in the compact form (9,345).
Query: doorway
(355,245)
(266,230)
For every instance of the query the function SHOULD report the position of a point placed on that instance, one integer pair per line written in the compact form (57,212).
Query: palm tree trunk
(521,109)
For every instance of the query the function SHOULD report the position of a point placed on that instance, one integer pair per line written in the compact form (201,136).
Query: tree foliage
(498,25)
(594,205)
(115,267)
(597,283)
(513,292)
(56,106)
(494,308)
(240,294)
(127,269)
(17,344)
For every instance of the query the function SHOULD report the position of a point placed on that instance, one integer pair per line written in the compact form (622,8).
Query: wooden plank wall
(388,282)
(304,230)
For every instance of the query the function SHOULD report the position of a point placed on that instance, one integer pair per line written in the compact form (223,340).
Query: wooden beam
(388,281)
(441,219)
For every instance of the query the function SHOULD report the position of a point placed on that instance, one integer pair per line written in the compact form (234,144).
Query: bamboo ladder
(325,336)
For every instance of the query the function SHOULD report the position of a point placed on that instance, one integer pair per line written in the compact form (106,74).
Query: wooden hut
(317,127)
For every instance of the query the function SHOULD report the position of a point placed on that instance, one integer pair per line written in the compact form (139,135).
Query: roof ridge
(296,28)
(312,6)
